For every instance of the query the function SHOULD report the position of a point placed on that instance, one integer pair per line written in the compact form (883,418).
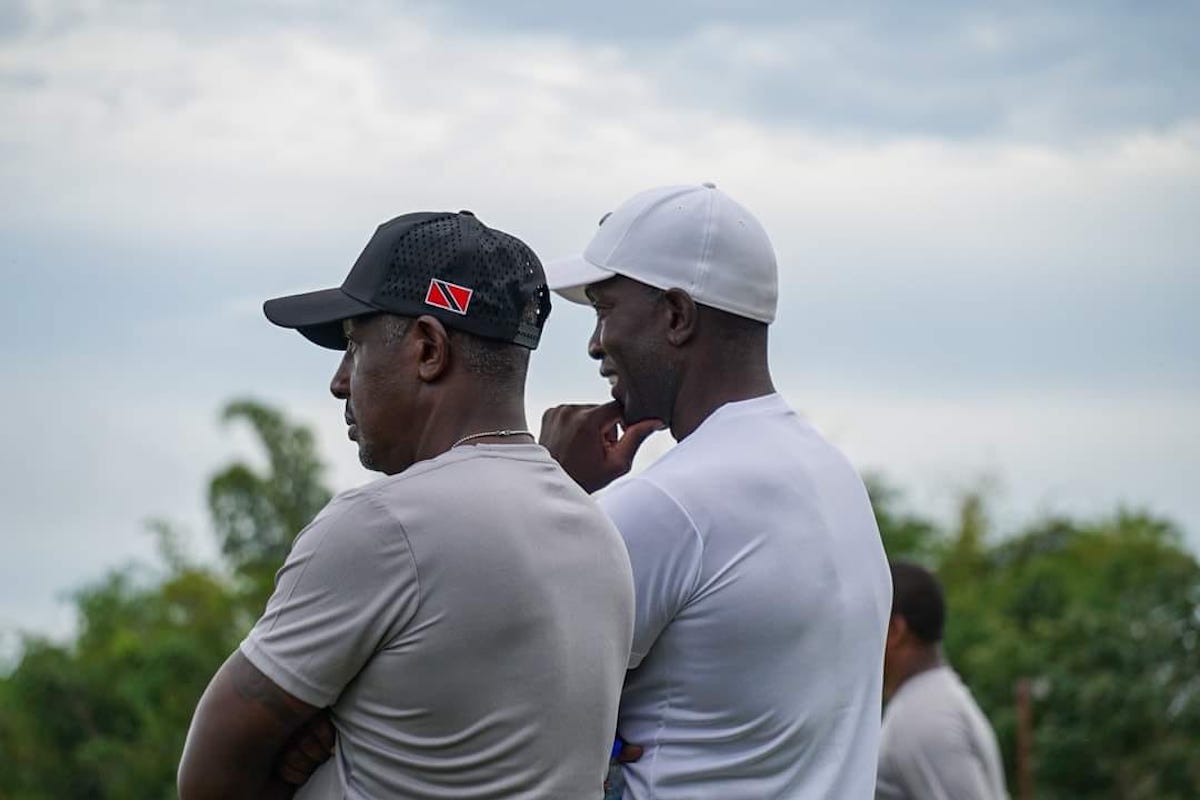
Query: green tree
(256,514)
(1103,616)
(905,535)
(105,716)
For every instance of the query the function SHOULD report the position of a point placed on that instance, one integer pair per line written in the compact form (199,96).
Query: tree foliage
(105,716)
(1102,616)
(255,514)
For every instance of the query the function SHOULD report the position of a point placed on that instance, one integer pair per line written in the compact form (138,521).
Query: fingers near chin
(325,734)
(607,414)
(644,428)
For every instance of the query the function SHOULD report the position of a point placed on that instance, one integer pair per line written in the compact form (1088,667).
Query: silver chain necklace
(482,434)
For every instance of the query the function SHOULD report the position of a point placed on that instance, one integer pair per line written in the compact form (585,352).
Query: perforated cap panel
(488,282)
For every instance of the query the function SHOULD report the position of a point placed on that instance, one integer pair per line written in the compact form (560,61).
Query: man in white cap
(762,589)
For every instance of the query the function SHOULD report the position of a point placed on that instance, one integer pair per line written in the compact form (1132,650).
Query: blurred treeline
(105,716)
(1102,617)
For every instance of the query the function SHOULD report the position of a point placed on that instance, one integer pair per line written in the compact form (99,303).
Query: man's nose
(340,385)
(593,348)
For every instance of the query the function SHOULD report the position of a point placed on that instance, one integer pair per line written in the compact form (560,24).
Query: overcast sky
(986,223)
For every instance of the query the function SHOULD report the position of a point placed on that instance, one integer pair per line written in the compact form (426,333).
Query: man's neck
(919,662)
(450,425)
(698,402)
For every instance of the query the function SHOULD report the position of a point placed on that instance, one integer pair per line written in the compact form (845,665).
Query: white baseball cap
(695,238)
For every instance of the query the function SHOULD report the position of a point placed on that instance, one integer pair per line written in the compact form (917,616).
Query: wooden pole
(1024,739)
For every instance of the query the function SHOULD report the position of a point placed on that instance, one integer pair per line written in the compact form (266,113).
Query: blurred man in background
(762,588)
(467,619)
(936,744)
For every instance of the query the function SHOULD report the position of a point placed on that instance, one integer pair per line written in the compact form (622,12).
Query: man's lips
(612,379)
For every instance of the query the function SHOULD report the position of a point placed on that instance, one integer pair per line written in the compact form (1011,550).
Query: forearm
(228,784)
(237,736)
(214,767)
(233,780)
(213,776)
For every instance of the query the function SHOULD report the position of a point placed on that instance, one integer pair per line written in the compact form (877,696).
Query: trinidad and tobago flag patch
(449,296)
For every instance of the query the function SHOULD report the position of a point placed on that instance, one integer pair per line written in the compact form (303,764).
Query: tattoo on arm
(252,685)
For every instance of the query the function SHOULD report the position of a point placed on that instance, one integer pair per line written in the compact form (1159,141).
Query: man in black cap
(466,619)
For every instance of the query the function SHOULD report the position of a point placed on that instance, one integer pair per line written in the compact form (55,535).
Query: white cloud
(949,305)
(146,132)
(1051,450)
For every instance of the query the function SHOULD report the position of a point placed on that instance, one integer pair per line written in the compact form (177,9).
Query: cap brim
(569,277)
(317,315)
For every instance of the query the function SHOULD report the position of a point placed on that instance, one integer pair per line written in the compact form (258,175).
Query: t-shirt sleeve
(665,551)
(348,587)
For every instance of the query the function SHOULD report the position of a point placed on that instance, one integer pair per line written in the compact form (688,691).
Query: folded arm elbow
(240,727)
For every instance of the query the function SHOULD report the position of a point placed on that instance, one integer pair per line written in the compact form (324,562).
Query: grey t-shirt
(936,744)
(469,621)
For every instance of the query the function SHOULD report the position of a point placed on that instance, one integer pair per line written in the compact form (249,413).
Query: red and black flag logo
(449,296)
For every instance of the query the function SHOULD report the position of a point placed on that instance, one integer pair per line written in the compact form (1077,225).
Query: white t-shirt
(469,622)
(937,744)
(762,595)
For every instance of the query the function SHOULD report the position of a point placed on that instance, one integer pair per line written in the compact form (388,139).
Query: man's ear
(682,316)
(897,630)
(433,343)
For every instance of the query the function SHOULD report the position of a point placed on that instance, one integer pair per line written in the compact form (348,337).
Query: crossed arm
(244,725)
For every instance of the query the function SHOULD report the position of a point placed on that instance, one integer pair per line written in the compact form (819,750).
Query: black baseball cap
(449,266)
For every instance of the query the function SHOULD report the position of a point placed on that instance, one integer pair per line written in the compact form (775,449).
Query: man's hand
(588,442)
(309,748)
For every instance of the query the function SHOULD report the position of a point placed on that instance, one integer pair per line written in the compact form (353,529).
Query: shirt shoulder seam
(408,548)
(691,524)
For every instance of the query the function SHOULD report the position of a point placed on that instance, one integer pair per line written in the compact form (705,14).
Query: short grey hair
(395,328)
(502,363)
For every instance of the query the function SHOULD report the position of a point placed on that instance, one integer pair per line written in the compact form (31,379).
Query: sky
(985,217)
